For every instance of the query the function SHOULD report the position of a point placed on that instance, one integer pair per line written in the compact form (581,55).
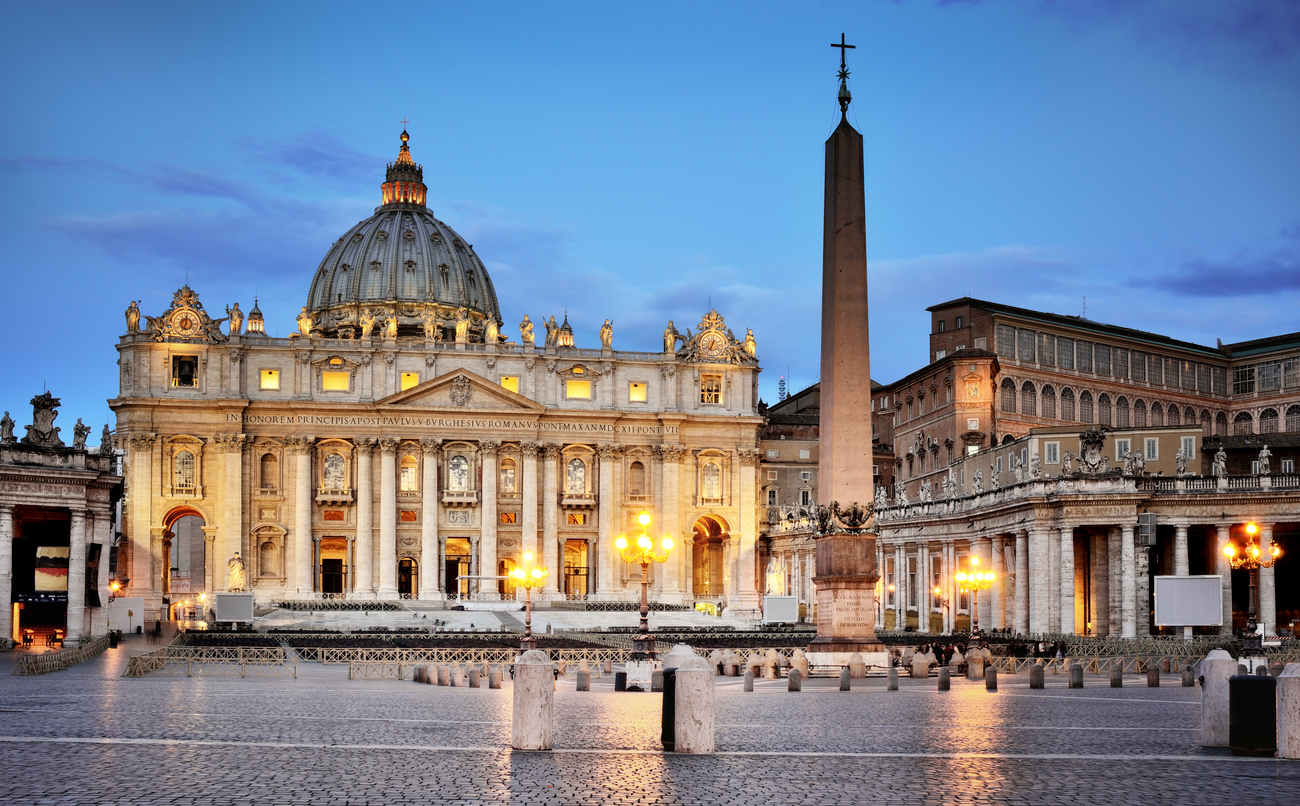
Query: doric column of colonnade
(998,595)
(1267,584)
(924,594)
(1065,601)
(1022,582)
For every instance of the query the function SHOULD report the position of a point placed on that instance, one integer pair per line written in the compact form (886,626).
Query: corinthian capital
(552,449)
(387,446)
(529,448)
(141,442)
(430,446)
(364,445)
(231,443)
(608,450)
(749,457)
(300,444)
(488,447)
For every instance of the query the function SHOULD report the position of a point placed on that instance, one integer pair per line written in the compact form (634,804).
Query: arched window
(1175,417)
(1008,439)
(1121,412)
(1243,424)
(1009,395)
(1049,402)
(577,479)
(1067,404)
(1221,425)
(410,480)
(1189,415)
(185,470)
(712,481)
(270,471)
(1103,409)
(1085,407)
(1140,414)
(335,472)
(507,476)
(1028,399)
(1292,419)
(1157,414)
(458,474)
(636,479)
(1207,424)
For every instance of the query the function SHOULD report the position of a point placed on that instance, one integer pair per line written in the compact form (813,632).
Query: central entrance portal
(333,565)
(457,564)
(708,557)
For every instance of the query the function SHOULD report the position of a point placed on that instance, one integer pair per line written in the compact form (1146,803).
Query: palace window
(1085,406)
(1122,446)
(1103,409)
(1121,412)
(334,381)
(1155,369)
(942,325)
(270,467)
(711,482)
(1270,376)
(410,379)
(1189,447)
(1138,364)
(1290,374)
(1151,449)
(1067,404)
(1065,353)
(636,392)
(1046,349)
(507,476)
(185,371)
(509,517)
(186,471)
(510,382)
(410,480)
(458,474)
(577,519)
(636,479)
(1175,416)
(1188,371)
(270,380)
(1171,371)
(1051,452)
(771,498)
(805,497)
(335,472)
(1292,419)
(1268,421)
(1288,465)
(1101,359)
(1221,425)
(1243,424)
(1026,340)
(577,390)
(1009,395)
(577,478)
(1006,341)
(1140,414)
(1049,401)
(1028,399)
(710,388)
(1083,356)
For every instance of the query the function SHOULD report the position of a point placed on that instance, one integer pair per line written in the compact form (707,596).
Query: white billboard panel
(1189,601)
(234,607)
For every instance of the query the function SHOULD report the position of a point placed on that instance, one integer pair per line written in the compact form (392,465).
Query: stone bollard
(1288,712)
(945,679)
(657,680)
(920,668)
(1242,669)
(715,660)
(844,679)
(1276,669)
(1261,670)
(456,677)
(472,677)
(1153,676)
(733,670)
(800,662)
(1116,677)
(420,672)
(991,678)
(1189,676)
(1216,669)
(857,666)
(494,677)
(1164,665)
(771,662)
(794,681)
(444,676)
(893,679)
(676,655)
(534,702)
(749,680)
(1076,676)
(584,679)
(1036,676)
(975,665)
(693,718)
(609,665)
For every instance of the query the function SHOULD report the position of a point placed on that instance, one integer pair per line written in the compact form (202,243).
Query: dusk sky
(645,161)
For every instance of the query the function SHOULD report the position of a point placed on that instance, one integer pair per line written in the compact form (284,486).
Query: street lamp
(528,578)
(643,552)
(1252,559)
(975,581)
(113,588)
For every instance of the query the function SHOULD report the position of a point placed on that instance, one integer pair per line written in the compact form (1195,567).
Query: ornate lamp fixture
(643,552)
(528,578)
(975,581)
(1250,558)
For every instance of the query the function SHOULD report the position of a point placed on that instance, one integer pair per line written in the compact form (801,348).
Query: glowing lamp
(621,543)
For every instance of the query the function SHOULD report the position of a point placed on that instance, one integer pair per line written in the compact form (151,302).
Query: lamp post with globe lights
(975,581)
(643,552)
(1252,558)
(528,577)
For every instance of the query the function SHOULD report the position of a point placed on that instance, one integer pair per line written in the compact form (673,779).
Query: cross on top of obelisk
(845,96)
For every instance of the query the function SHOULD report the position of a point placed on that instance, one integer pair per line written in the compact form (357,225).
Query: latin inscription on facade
(485,423)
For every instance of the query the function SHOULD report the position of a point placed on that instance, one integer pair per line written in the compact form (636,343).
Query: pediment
(461,389)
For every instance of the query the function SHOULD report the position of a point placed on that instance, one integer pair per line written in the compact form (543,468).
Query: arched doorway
(457,564)
(408,577)
(333,565)
(187,568)
(708,557)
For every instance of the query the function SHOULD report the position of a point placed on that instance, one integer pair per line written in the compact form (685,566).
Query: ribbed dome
(403,263)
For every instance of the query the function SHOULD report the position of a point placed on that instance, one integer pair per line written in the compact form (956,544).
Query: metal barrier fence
(224,661)
(64,658)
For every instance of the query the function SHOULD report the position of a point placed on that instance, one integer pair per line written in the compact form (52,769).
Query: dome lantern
(404,183)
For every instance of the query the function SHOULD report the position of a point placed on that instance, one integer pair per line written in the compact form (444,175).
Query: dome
(402,264)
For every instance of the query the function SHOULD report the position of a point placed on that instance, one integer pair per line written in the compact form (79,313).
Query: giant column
(1181,564)
(364,548)
(608,504)
(1223,568)
(997,564)
(846,552)
(671,470)
(76,577)
(431,571)
(1067,579)
(300,558)
(7,627)
(232,520)
(1128,583)
(487,546)
(1267,583)
(747,590)
(528,451)
(1022,583)
(551,518)
(139,514)
(387,518)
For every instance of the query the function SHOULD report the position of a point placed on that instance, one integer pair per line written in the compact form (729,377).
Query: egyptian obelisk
(846,557)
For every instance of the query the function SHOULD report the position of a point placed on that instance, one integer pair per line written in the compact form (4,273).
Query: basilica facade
(399,445)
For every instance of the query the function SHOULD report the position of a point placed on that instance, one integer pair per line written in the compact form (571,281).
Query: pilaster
(431,570)
(364,550)
(550,517)
(387,518)
(488,544)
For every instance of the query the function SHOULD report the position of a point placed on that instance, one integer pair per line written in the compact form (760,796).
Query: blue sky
(641,161)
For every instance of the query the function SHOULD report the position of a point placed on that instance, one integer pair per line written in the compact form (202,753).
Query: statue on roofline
(526,332)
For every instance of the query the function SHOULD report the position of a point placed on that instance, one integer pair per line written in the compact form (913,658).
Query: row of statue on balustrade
(42,433)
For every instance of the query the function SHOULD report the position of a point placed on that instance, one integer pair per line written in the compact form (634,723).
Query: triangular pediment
(461,389)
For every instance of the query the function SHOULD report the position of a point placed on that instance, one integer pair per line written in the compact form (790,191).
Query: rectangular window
(773,453)
(803,454)
(1189,447)
(408,481)
(270,380)
(1119,364)
(1203,378)
(577,519)
(805,475)
(771,498)
(999,464)
(1139,366)
(509,517)
(972,424)
(1243,380)
(1151,448)
(335,515)
(805,497)
(1026,340)
(1254,467)
(911,583)
(889,581)
(510,382)
(1052,452)
(942,325)
(1288,465)
(1220,375)
(1270,376)
(1188,369)
(334,381)
(185,371)
(958,323)
(410,379)
(1065,353)
(771,475)
(636,392)
(710,388)
(1046,349)
(1101,360)
(577,390)
(1083,356)
(1171,372)
(1006,336)
(939,354)
(408,516)
(1290,374)
(1122,446)
(1155,369)
(971,450)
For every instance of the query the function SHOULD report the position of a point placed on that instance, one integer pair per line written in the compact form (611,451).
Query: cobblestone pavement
(89,736)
